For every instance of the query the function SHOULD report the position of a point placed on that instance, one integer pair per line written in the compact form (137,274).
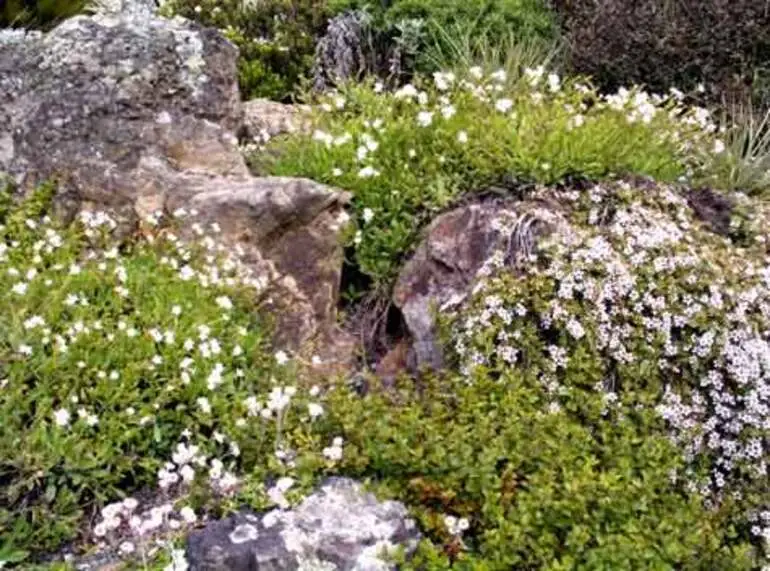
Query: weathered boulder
(455,250)
(338,527)
(97,88)
(136,114)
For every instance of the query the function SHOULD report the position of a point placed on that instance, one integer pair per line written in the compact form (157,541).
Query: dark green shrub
(276,39)
(663,44)
(37,13)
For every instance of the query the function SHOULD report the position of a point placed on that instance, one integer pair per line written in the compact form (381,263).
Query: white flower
(424,118)
(476,72)
(334,452)
(130,504)
(448,111)
(336,172)
(406,91)
(61,417)
(224,302)
(188,514)
(462,137)
(323,137)
(368,215)
(719,147)
(281,358)
(499,75)
(187,473)
(554,83)
(443,80)
(279,398)
(178,561)
(534,75)
(215,377)
(126,547)
(204,405)
(368,172)
(503,105)
(20,288)
(33,322)
(314,410)
(456,526)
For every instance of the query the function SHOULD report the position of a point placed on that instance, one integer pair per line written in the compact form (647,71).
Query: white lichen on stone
(243,533)
(189,48)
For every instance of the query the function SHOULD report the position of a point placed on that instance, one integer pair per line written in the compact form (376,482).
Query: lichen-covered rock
(339,527)
(96,88)
(137,114)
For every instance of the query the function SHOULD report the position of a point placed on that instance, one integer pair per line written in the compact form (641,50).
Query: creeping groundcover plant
(631,298)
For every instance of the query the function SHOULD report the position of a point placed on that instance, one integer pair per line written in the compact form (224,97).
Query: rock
(134,114)
(456,247)
(99,89)
(338,527)
(264,119)
(713,208)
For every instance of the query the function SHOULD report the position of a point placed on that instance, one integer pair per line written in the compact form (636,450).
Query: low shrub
(409,154)
(499,481)
(663,44)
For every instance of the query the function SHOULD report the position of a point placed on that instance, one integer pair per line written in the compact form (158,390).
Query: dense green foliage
(408,155)
(442,23)
(99,373)
(569,489)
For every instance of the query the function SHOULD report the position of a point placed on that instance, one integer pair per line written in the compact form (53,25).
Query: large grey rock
(135,114)
(339,527)
(102,88)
